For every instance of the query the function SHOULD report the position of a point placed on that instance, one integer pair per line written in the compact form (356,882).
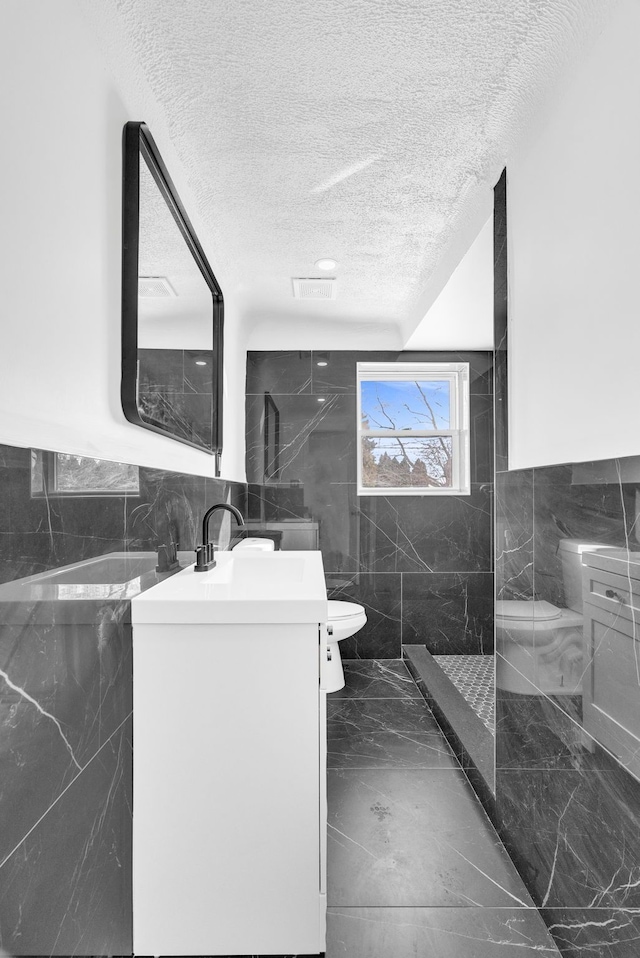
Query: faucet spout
(205,559)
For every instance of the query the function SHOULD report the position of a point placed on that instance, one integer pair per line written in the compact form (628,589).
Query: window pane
(420,404)
(407,462)
(79,474)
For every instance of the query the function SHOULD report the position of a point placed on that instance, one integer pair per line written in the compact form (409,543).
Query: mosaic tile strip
(473,676)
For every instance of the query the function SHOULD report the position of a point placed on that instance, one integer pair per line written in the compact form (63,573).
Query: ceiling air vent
(314,288)
(155,287)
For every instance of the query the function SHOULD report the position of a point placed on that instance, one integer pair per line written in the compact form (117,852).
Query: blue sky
(397,396)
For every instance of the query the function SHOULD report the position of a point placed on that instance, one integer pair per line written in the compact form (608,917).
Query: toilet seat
(520,610)
(343,610)
(345,619)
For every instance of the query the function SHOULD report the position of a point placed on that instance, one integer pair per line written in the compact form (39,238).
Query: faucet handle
(205,558)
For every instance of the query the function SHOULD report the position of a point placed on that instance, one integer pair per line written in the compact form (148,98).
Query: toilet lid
(537,609)
(343,610)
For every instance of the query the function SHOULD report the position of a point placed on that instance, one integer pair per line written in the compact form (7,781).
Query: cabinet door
(611,684)
(226,790)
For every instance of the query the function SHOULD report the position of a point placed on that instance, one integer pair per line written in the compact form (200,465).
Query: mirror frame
(137,141)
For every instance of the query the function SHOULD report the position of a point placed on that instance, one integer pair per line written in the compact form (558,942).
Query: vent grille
(310,288)
(155,287)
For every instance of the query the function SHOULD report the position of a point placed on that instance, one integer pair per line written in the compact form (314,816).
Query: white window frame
(457,374)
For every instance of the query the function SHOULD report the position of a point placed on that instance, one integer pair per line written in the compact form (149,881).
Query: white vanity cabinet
(229,803)
(611,680)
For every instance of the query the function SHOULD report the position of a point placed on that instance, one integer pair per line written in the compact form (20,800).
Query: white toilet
(538,645)
(345,619)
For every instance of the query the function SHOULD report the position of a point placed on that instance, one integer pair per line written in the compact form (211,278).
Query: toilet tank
(571,551)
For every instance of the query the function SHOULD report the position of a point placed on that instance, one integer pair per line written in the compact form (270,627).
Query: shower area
(420,565)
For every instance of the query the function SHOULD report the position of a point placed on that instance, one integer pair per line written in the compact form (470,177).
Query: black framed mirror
(172,307)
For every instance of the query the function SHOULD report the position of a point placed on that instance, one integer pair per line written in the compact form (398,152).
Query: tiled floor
(473,676)
(414,866)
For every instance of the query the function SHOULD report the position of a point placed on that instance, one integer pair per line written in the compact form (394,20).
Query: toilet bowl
(539,645)
(344,619)
(538,648)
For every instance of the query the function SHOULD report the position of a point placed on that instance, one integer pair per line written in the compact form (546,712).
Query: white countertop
(621,561)
(243,587)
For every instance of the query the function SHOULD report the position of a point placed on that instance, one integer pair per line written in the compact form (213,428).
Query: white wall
(462,315)
(60,166)
(574,228)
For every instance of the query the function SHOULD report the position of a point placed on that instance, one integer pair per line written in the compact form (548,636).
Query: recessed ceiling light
(325,263)
(322,363)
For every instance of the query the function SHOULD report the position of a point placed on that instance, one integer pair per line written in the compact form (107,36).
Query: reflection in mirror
(172,308)
(63,474)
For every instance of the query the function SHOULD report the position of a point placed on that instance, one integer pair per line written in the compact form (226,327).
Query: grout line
(64,791)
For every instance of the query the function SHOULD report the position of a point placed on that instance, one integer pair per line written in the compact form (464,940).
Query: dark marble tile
(449,613)
(65,687)
(380,594)
(514,535)
(377,679)
(480,366)
(481,440)
(349,748)
(187,415)
(171,507)
(316,440)
(278,372)
(379,715)
(198,378)
(422,534)
(67,888)
(598,932)
(451,932)
(593,512)
(339,375)
(540,731)
(413,838)
(577,832)
(161,369)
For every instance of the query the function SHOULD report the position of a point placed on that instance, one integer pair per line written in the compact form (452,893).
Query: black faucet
(205,553)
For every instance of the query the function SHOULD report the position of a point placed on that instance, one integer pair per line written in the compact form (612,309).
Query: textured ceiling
(368,131)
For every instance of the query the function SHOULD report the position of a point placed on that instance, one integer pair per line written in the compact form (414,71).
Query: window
(61,474)
(413,429)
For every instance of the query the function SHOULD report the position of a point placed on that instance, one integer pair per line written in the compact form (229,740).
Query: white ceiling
(368,131)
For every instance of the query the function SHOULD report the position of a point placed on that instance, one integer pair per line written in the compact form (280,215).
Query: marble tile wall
(568,810)
(177,393)
(66,704)
(422,567)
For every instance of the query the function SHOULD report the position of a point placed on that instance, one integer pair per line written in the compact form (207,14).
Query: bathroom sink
(75,588)
(115,576)
(112,569)
(242,588)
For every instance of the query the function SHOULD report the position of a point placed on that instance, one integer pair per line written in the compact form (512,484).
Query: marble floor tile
(413,838)
(437,933)
(348,748)
(376,679)
(381,715)
(578,833)
(595,932)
